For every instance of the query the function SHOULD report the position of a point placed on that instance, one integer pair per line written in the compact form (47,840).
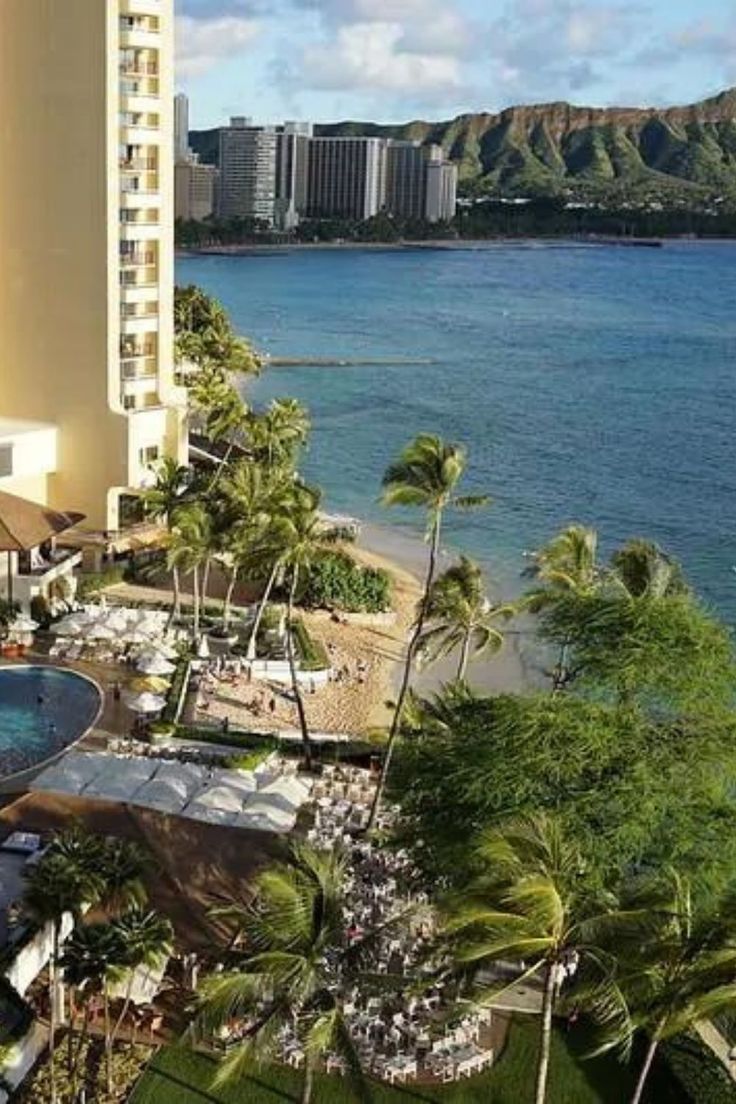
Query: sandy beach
(366,659)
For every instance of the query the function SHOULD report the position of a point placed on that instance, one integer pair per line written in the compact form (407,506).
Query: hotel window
(6,460)
(148,455)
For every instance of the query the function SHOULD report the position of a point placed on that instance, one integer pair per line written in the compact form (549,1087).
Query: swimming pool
(42,711)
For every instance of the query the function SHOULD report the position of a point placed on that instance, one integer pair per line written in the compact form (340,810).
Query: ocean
(594,384)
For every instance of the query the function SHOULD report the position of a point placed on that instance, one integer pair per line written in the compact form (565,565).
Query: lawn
(179,1076)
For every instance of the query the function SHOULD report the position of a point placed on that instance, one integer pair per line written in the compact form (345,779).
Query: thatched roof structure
(24,524)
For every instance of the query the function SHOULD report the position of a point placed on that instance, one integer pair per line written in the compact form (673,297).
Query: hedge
(701,1075)
(312,653)
(92,582)
(336,581)
(176,691)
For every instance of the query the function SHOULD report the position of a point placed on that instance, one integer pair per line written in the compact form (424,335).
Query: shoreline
(562,241)
(403,555)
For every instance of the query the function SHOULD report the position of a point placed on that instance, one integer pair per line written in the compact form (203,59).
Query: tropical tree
(304,537)
(460,617)
(681,970)
(425,476)
(161,501)
(190,547)
(58,885)
(532,906)
(644,570)
(565,567)
(295,970)
(148,941)
(91,956)
(124,866)
(276,434)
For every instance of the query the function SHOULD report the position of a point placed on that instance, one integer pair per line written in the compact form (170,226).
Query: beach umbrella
(23,624)
(101,631)
(203,648)
(136,636)
(154,683)
(117,620)
(67,627)
(154,665)
(145,703)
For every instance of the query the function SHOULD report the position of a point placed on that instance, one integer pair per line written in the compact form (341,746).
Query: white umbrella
(155,665)
(68,628)
(117,620)
(101,632)
(24,624)
(145,703)
(136,636)
(203,648)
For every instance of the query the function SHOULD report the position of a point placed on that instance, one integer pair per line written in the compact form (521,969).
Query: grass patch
(180,1076)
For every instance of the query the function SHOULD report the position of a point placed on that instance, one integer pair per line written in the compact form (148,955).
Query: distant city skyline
(392,60)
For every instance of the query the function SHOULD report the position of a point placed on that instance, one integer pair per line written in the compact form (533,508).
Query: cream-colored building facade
(86,249)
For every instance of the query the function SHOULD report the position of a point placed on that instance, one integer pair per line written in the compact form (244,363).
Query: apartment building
(406,177)
(292,172)
(181,127)
(86,268)
(195,189)
(441,202)
(247,162)
(347,177)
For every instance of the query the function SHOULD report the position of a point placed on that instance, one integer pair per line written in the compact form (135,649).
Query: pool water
(42,711)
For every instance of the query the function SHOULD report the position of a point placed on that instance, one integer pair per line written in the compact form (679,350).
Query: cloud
(370,57)
(202,43)
(546,49)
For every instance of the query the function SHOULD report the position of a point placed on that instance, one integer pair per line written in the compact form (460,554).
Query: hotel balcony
(141,181)
(138,293)
(138,164)
(140,7)
(145,323)
(135,68)
(139,200)
(138,88)
(138,260)
(141,366)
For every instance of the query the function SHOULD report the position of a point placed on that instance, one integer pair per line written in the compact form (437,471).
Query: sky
(395,60)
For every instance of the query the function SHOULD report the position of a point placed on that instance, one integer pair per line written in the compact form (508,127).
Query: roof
(15,427)
(24,524)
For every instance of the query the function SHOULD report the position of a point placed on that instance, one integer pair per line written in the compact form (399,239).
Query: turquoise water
(42,711)
(594,384)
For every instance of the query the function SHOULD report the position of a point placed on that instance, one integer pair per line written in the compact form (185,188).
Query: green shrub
(250,760)
(247,741)
(701,1075)
(176,691)
(312,654)
(336,581)
(92,582)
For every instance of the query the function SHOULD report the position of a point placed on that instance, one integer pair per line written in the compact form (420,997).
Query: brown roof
(25,524)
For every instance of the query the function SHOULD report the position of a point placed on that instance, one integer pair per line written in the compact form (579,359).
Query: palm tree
(161,502)
(91,956)
(190,547)
(304,537)
(277,434)
(123,868)
(295,971)
(681,972)
(533,908)
(643,570)
(227,420)
(460,616)
(148,941)
(58,885)
(565,567)
(425,475)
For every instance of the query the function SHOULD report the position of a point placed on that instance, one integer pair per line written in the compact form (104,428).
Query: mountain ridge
(544,149)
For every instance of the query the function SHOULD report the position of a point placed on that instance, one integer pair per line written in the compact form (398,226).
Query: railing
(136,87)
(137,260)
(134,164)
(128,312)
(138,69)
(132,368)
(130,280)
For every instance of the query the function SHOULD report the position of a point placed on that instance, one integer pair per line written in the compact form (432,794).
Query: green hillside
(549,148)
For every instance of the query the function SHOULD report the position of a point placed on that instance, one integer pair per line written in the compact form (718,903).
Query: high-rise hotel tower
(86,252)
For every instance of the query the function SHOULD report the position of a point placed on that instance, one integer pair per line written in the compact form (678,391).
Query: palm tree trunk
(545,1041)
(70,1033)
(195,597)
(464,656)
(644,1073)
(126,1006)
(221,467)
(307,743)
(408,663)
(251,652)
(206,580)
(108,1041)
(52,1010)
(79,1051)
(228,599)
(307,1083)
(560,675)
(175,610)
